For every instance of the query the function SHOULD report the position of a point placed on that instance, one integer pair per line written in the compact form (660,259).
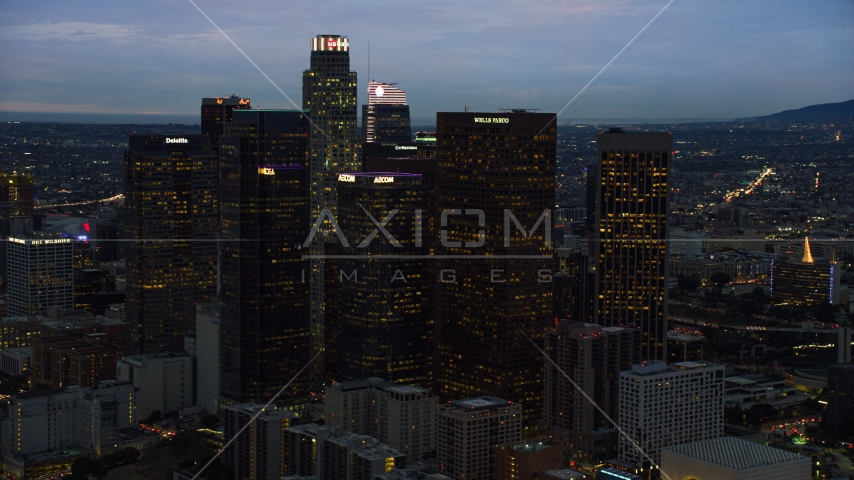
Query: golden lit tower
(630,233)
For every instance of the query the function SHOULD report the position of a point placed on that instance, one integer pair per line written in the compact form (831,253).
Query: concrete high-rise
(630,229)
(593,356)
(264,322)
(386,116)
(171,215)
(495,192)
(216,113)
(329,93)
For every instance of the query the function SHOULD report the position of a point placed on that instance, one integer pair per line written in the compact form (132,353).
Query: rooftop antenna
(467,108)
(369,67)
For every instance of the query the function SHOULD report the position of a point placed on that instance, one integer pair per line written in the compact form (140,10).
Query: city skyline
(695,61)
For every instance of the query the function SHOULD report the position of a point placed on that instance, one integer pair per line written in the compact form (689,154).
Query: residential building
(400,416)
(663,405)
(258,452)
(468,431)
(592,357)
(333,453)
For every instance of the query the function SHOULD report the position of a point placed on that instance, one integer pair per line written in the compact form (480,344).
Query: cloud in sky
(720,59)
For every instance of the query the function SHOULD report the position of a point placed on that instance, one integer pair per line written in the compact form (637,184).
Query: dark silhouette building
(217,112)
(382,311)
(840,399)
(264,322)
(16,213)
(496,178)
(171,222)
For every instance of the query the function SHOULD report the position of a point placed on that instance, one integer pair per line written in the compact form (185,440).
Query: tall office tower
(664,405)
(105,241)
(630,233)
(386,116)
(329,93)
(259,452)
(217,112)
(40,274)
(591,173)
(840,398)
(264,299)
(171,215)
(496,177)
(593,356)
(16,213)
(467,432)
(382,317)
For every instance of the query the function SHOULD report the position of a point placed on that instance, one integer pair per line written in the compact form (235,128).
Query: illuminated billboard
(330,43)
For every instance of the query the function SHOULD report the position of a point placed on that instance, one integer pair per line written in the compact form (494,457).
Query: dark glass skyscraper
(171,205)
(329,93)
(494,170)
(16,212)
(216,113)
(382,311)
(629,235)
(386,116)
(264,220)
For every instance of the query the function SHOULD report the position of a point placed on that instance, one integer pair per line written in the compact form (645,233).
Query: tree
(83,467)
(720,279)
(689,283)
(734,415)
(155,416)
(209,421)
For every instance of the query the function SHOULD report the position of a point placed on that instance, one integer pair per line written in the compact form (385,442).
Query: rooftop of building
(477,403)
(529,447)
(143,358)
(658,367)
(734,453)
(683,337)
(562,473)
(376,383)
(270,412)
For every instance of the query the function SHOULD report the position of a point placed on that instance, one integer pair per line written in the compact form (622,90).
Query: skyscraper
(216,113)
(496,178)
(382,314)
(264,298)
(16,212)
(386,116)
(171,208)
(329,93)
(629,235)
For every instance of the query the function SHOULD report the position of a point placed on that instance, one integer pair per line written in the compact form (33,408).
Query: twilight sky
(699,59)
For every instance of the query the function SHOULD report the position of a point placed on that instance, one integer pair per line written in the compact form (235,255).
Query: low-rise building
(164,380)
(729,458)
(258,452)
(15,361)
(400,416)
(524,461)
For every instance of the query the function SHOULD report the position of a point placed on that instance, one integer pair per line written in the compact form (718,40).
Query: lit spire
(807,253)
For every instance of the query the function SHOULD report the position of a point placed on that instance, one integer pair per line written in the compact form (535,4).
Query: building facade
(217,112)
(383,319)
(663,405)
(796,282)
(264,310)
(840,398)
(386,116)
(40,274)
(164,381)
(329,93)
(258,452)
(593,357)
(495,193)
(400,416)
(171,221)
(729,458)
(525,461)
(468,431)
(629,238)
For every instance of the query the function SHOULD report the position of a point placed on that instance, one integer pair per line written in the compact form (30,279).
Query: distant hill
(825,113)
